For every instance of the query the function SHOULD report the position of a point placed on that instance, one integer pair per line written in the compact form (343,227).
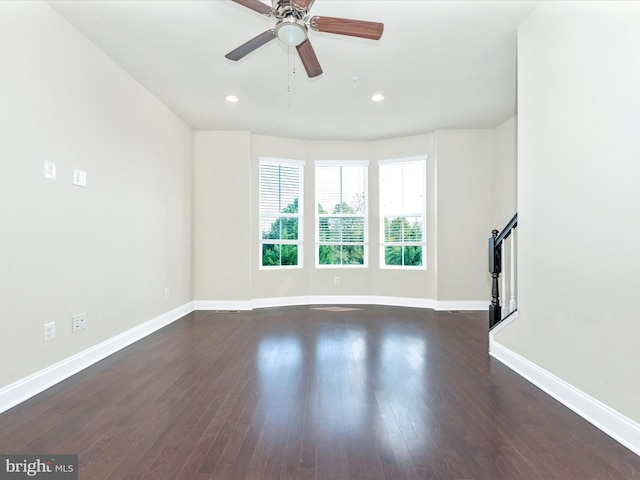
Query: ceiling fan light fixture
(291,32)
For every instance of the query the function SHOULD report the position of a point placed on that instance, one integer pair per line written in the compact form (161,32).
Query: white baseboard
(340,300)
(222,305)
(461,305)
(611,422)
(503,323)
(27,387)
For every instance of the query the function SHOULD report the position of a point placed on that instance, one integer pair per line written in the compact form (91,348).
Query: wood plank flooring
(301,393)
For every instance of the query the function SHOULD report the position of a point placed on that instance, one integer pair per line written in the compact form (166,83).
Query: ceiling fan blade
(346,26)
(255,5)
(309,59)
(251,45)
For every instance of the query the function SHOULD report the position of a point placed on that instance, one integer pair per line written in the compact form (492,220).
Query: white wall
(464,212)
(222,218)
(505,173)
(578,198)
(108,250)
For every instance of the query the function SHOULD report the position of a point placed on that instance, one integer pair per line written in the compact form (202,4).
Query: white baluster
(512,302)
(505,308)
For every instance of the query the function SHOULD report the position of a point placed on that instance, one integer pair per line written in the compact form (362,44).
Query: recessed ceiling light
(231,98)
(378,97)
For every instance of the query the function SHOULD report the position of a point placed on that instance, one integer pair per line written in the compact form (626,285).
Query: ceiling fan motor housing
(291,31)
(289,8)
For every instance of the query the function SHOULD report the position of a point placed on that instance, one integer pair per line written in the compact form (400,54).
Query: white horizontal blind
(281,207)
(403,213)
(341,213)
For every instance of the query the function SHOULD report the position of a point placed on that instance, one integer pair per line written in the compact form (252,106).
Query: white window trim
(417,158)
(284,161)
(341,163)
(299,215)
(423,243)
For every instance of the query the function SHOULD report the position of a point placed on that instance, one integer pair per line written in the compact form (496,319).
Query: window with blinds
(341,213)
(281,207)
(403,213)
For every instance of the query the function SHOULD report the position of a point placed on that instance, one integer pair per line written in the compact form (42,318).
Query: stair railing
(503,254)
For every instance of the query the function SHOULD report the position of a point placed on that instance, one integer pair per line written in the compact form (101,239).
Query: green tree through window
(399,230)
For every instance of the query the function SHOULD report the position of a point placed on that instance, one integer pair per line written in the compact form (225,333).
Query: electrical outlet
(79,322)
(336,280)
(49,331)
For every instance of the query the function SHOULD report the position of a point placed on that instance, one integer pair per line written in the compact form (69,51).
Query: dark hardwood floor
(302,393)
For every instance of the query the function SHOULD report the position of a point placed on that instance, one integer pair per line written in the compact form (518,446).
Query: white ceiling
(440,65)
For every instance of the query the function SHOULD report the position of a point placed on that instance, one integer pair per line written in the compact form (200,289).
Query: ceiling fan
(292,27)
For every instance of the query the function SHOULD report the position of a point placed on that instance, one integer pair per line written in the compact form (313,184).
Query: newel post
(495,266)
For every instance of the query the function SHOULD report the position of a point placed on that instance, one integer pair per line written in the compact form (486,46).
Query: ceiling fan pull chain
(289,70)
(293,66)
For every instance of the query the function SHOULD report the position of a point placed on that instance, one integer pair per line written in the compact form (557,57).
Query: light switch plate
(49,169)
(80,178)
(49,331)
